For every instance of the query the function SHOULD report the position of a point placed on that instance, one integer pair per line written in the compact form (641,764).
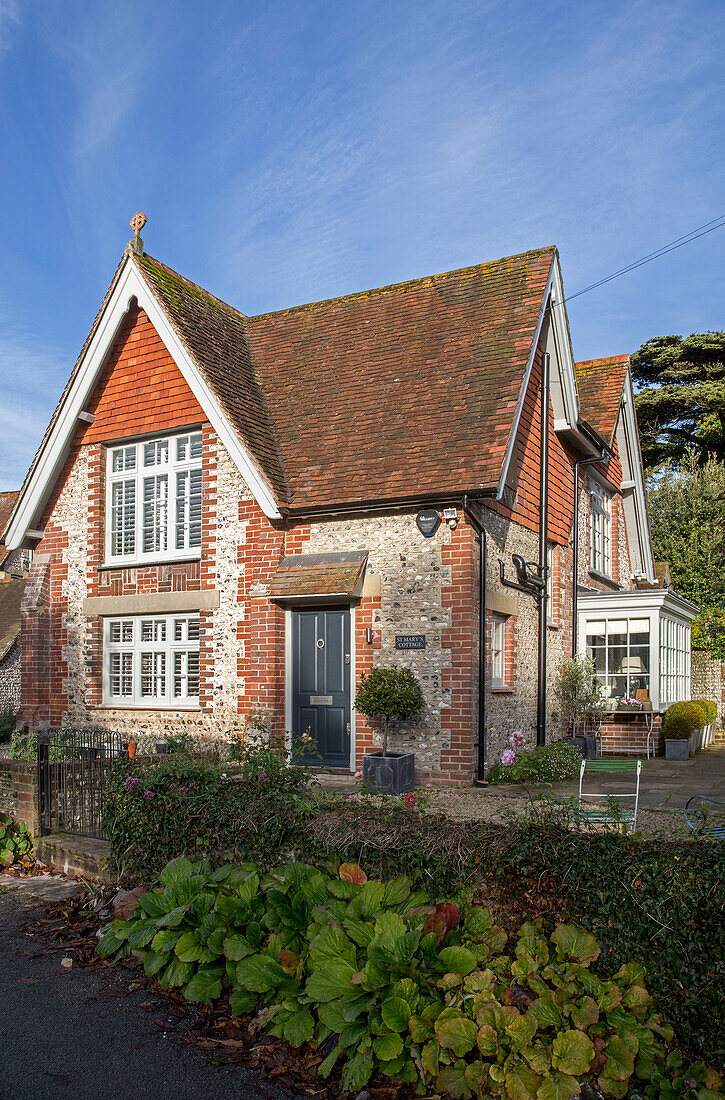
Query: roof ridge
(203,292)
(407,284)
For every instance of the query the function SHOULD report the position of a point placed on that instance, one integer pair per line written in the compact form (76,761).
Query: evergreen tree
(687,517)
(681,396)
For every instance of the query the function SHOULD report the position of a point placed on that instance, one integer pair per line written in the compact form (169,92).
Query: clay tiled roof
(398,392)
(599,383)
(214,334)
(7,503)
(11,593)
(319,575)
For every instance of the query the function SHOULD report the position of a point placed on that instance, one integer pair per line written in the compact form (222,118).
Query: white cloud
(9,22)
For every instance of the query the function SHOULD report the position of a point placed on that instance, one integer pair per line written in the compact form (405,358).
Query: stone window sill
(139,563)
(145,710)
(501,689)
(603,577)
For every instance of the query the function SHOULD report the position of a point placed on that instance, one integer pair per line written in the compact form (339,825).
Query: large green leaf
(572,1052)
(389,927)
(455,1031)
(358,1071)
(620,1059)
(249,888)
(430,1056)
(259,973)
(242,1001)
(299,1028)
(396,1013)
(329,984)
(188,949)
(331,944)
(584,1013)
(397,891)
(557,1086)
(546,1012)
(610,1086)
(388,1046)
(521,1031)
(452,1079)
(236,948)
(205,986)
(522,1083)
(574,943)
(164,940)
(176,973)
(360,931)
(420,1029)
(155,905)
(173,918)
(637,999)
(477,1079)
(487,1041)
(457,960)
(177,871)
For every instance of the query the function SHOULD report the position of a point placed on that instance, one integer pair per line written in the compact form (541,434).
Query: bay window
(151,661)
(600,529)
(154,499)
(620,650)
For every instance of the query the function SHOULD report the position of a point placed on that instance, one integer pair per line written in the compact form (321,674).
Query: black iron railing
(73,769)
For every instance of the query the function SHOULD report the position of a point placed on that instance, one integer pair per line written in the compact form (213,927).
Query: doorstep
(81,856)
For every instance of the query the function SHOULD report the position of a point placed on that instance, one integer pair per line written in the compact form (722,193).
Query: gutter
(378,504)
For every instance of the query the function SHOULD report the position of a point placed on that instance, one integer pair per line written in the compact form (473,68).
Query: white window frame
(600,529)
(135,473)
(498,650)
(610,674)
(151,646)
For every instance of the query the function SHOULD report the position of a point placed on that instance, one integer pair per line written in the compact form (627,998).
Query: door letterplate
(320,700)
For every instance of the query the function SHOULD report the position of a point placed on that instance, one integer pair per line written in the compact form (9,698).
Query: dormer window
(153,504)
(600,530)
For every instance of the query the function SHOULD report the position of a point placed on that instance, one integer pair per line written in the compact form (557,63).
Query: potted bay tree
(389,694)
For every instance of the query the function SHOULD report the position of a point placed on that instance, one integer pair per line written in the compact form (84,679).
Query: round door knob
(320,643)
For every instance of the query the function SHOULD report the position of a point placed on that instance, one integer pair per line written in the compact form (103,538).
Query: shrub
(681,719)
(387,693)
(24,746)
(15,841)
(709,708)
(545,764)
(187,805)
(382,981)
(578,695)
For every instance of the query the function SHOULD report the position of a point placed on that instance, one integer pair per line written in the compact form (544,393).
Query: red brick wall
(627,734)
(460,720)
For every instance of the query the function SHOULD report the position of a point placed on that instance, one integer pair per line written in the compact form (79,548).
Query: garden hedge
(657,904)
(681,719)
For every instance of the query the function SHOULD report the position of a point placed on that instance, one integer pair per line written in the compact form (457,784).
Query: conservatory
(639,642)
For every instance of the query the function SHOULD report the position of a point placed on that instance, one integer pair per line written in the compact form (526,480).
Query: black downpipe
(543,555)
(483,558)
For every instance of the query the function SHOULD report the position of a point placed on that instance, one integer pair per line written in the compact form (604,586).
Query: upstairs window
(151,661)
(154,499)
(600,530)
(498,651)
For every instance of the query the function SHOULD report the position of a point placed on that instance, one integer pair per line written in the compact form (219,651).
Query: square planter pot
(391,774)
(677,749)
(696,740)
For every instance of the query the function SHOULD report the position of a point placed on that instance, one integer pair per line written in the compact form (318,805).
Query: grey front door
(321,683)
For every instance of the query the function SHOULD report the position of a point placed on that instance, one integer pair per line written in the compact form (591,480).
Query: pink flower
(410,799)
(148,794)
(358,775)
(517,739)
(507,757)
(429,785)
(130,782)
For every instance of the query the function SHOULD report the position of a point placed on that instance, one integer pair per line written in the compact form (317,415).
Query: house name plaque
(410,641)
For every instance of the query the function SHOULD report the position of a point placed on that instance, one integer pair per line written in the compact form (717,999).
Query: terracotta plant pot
(131,749)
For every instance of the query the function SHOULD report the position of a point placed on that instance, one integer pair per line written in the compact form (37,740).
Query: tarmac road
(61,1038)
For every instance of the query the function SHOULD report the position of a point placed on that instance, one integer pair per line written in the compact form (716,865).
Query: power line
(701,231)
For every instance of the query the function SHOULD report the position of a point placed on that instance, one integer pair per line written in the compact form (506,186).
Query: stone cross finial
(138,221)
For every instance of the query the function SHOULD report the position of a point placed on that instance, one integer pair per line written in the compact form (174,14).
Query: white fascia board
(511,445)
(54,451)
(636,600)
(635,498)
(564,397)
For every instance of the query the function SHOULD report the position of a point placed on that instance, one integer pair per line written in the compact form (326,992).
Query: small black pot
(391,774)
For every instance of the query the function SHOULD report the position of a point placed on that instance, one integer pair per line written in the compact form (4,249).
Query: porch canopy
(320,576)
(638,640)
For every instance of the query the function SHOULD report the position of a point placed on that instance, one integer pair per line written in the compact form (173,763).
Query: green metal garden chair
(601,808)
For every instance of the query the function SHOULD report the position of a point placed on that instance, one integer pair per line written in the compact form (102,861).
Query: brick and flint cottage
(233,517)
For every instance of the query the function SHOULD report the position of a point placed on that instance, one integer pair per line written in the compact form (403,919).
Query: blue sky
(291,151)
